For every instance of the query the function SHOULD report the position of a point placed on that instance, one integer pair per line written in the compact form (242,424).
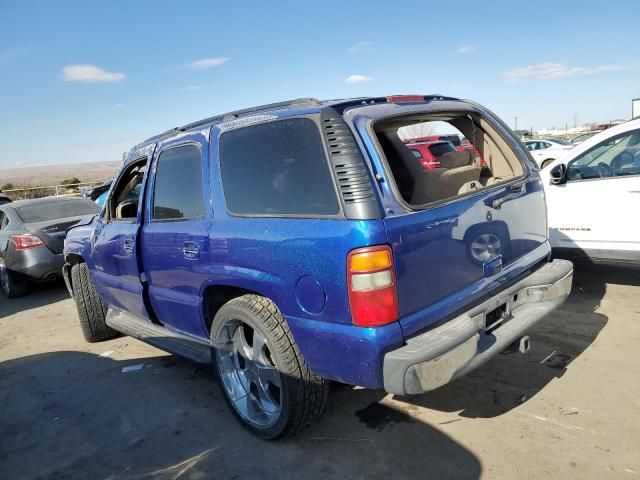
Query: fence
(73,189)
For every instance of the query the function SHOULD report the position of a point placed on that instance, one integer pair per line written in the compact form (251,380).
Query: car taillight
(372,286)
(26,242)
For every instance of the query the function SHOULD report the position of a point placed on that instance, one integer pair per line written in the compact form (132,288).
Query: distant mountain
(44,175)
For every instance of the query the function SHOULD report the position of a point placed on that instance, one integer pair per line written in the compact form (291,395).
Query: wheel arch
(217,294)
(70,260)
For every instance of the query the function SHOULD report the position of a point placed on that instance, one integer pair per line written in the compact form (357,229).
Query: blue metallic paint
(270,256)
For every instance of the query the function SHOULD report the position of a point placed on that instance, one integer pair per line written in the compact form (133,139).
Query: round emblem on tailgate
(489,216)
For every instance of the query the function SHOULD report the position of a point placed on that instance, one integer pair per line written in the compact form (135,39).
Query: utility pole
(516,123)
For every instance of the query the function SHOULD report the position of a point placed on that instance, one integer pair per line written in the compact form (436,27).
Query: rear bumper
(436,357)
(36,264)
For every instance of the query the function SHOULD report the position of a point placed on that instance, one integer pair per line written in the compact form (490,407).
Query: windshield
(42,212)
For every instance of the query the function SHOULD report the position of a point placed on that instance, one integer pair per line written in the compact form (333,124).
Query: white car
(593,197)
(546,150)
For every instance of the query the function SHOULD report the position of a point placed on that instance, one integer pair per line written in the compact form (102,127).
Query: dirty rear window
(42,212)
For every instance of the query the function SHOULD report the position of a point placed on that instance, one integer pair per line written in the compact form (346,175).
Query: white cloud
(555,71)
(206,63)
(467,49)
(359,46)
(357,79)
(194,87)
(89,74)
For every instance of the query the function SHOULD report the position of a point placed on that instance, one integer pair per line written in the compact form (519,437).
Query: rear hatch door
(445,256)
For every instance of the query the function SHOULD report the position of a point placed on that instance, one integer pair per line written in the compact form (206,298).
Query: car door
(114,264)
(595,210)
(175,253)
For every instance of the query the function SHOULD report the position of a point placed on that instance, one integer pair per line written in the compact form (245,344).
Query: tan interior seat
(440,183)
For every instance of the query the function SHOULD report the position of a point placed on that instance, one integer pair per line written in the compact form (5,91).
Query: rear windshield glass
(484,160)
(277,168)
(439,149)
(42,212)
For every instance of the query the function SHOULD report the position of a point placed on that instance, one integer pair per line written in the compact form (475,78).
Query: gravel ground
(566,409)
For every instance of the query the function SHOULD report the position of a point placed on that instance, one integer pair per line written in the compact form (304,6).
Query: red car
(428,154)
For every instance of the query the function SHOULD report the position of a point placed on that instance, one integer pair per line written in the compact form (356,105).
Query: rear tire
(91,311)
(11,283)
(261,372)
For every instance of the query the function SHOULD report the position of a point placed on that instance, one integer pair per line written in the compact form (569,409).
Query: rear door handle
(190,250)
(517,190)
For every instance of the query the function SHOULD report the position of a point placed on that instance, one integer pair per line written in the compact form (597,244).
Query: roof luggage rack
(298,102)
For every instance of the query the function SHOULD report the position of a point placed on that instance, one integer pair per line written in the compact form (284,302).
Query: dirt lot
(566,409)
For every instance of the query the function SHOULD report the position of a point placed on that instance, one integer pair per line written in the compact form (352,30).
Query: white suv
(593,197)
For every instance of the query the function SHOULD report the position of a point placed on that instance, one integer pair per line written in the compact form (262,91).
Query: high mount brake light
(405,98)
(26,242)
(371,283)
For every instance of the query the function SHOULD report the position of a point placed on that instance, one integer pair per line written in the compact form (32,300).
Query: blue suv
(301,242)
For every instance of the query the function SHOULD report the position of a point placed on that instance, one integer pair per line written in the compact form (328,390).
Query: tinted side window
(177,192)
(439,149)
(277,168)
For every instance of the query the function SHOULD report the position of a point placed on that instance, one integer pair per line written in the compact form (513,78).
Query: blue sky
(84,81)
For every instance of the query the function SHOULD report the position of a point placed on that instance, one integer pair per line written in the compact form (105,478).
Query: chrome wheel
(248,373)
(485,246)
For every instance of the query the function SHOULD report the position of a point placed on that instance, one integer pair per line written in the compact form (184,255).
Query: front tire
(11,283)
(91,311)
(263,375)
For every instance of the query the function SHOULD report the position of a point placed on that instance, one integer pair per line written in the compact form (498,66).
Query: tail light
(372,286)
(26,242)
(405,98)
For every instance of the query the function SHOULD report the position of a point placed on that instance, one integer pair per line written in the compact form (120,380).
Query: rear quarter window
(42,212)
(277,169)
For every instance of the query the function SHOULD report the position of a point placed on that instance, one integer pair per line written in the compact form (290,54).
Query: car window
(529,145)
(439,149)
(416,153)
(1,220)
(177,192)
(45,211)
(543,145)
(277,168)
(614,157)
(561,141)
(122,203)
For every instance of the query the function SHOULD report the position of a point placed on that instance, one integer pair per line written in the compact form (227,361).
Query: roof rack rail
(297,102)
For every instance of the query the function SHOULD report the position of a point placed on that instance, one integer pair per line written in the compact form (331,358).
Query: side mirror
(558,174)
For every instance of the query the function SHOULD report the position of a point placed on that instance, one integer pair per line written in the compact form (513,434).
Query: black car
(4,199)
(32,234)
